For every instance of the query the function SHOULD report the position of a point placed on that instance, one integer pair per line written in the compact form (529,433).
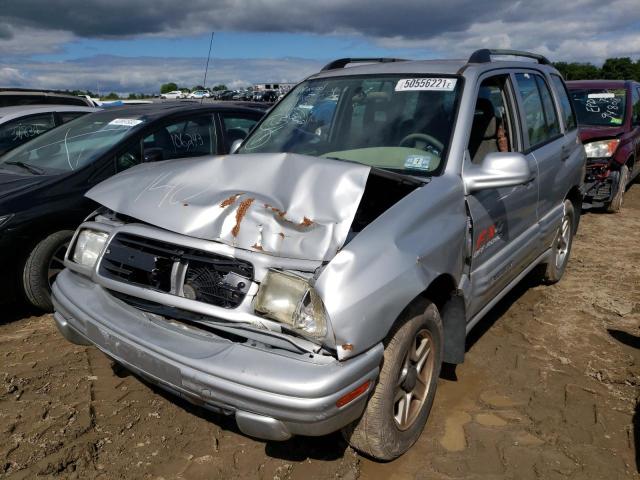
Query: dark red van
(609,119)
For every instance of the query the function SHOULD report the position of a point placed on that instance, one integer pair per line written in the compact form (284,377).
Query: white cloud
(146,74)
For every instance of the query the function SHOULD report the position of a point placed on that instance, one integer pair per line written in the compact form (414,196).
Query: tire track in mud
(548,390)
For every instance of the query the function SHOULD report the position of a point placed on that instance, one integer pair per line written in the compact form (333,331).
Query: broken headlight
(289,299)
(601,149)
(89,245)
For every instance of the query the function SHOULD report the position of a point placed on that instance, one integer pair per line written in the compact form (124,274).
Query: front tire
(41,268)
(402,398)
(616,202)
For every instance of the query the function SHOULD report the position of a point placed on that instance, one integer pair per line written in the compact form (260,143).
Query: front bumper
(272,393)
(600,189)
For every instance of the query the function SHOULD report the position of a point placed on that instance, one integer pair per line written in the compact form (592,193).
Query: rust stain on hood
(291,205)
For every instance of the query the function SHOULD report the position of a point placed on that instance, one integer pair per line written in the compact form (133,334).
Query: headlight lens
(89,246)
(289,299)
(602,148)
(4,219)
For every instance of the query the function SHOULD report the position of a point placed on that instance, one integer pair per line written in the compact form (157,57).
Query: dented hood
(281,204)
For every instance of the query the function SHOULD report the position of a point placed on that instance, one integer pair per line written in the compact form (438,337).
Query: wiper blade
(33,169)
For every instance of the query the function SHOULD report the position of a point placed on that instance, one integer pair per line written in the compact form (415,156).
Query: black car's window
(185,138)
(236,127)
(599,106)
(73,145)
(129,158)
(68,116)
(565,103)
(16,132)
(540,116)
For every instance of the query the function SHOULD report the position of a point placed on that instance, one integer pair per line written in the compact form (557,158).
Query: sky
(136,45)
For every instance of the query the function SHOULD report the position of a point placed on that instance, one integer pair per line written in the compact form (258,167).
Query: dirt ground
(548,390)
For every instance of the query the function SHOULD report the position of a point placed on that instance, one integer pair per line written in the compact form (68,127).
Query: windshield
(599,106)
(72,145)
(398,123)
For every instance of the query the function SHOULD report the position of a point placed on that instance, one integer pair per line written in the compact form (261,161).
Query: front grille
(166,267)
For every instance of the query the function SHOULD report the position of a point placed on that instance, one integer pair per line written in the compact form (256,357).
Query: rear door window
(540,115)
(190,137)
(565,103)
(16,132)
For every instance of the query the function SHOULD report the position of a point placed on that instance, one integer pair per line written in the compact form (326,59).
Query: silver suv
(318,279)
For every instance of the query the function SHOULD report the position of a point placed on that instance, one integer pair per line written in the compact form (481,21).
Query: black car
(43,182)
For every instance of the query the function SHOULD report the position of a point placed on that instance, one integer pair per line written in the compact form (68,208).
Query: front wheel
(616,202)
(42,266)
(401,400)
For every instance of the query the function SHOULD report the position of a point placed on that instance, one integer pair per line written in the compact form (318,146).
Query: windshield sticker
(616,121)
(125,122)
(601,95)
(411,84)
(417,162)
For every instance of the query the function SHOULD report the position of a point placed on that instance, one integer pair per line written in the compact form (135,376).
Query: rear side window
(540,116)
(565,104)
(16,132)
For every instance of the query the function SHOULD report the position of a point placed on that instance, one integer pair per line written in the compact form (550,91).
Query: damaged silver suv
(318,279)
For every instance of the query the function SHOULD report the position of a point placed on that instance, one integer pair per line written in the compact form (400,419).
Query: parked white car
(199,94)
(172,95)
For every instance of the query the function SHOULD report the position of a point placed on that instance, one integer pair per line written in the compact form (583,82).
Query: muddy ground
(548,390)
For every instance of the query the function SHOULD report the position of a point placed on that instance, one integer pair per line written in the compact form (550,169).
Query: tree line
(619,68)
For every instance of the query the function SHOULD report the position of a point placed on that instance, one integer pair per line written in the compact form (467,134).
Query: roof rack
(484,55)
(343,62)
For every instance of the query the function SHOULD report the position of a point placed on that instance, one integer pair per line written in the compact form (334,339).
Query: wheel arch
(575,196)
(443,292)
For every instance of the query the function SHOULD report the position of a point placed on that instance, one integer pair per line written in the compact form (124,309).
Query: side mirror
(497,170)
(154,154)
(235,145)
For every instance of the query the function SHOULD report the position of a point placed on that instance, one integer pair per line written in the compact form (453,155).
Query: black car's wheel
(552,271)
(42,266)
(401,400)
(616,202)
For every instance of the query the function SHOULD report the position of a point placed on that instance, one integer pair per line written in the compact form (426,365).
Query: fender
(394,259)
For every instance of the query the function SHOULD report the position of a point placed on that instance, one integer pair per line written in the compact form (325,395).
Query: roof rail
(484,55)
(343,62)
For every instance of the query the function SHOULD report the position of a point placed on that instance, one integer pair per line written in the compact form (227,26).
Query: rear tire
(402,398)
(553,270)
(616,202)
(42,266)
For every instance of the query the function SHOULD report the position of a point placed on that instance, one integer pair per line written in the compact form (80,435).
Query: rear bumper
(272,393)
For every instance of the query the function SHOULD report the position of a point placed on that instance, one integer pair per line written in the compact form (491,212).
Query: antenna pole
(204,83)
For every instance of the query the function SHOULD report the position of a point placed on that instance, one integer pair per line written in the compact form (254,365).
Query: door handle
(565,153)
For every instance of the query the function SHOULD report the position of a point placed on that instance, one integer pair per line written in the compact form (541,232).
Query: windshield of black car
(599,106)
(73,145)
(401,123)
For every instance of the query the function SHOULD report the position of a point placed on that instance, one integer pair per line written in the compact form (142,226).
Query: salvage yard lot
(548,390)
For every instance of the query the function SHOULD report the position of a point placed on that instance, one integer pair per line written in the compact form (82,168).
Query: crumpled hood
(282,204)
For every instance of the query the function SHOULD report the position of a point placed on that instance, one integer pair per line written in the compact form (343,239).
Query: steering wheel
(406,141)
